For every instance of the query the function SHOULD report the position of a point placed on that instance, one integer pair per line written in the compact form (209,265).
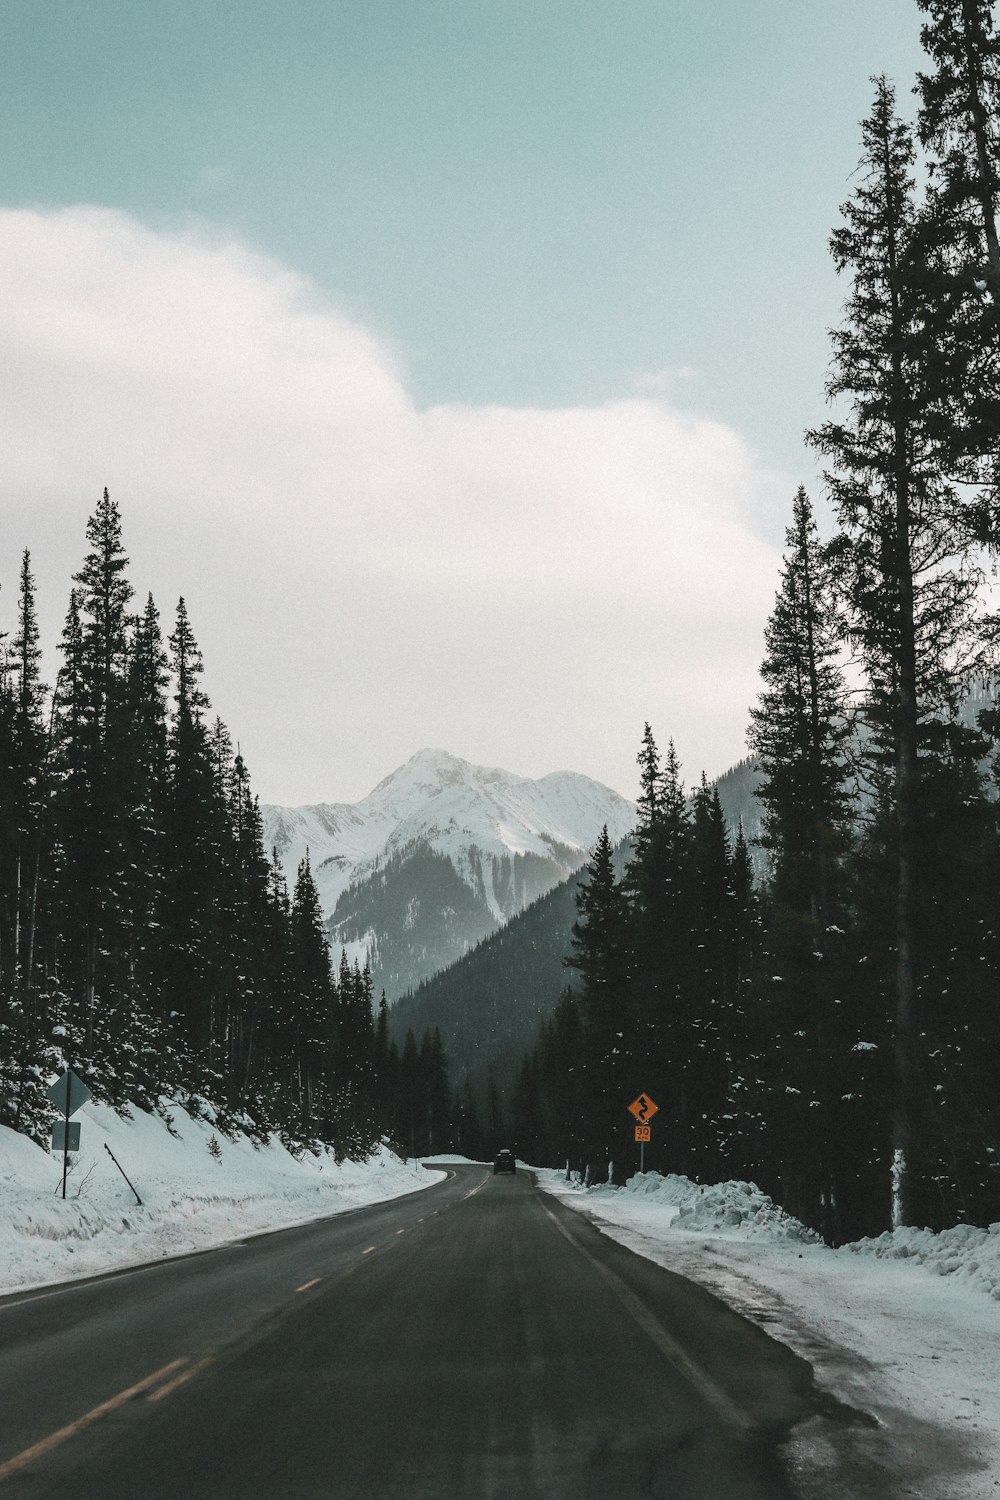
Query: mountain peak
(433,770)
(504,838)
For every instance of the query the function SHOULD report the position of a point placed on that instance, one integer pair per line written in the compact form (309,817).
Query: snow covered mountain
(440,854)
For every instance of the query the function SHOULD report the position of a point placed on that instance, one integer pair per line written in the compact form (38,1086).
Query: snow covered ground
(904,1330)
(198,1189)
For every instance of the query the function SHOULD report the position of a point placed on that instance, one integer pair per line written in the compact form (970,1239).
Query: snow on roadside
(904,1328)
(198,1189)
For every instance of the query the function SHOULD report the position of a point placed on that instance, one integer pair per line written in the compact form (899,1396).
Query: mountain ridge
(380,864)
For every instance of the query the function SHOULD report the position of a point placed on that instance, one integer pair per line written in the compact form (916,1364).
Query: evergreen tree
(798,732)
(25,797)
(526,1110)
(712,979)
(598,954)
(562,1083)
(409,1096)
(104,597)
(960,103)
(435,1125)
(468,1131)
(8,821)
(251,936)
(70,806)
(146,708)
(310,997)
(911,578)
(195,839)
(91,764)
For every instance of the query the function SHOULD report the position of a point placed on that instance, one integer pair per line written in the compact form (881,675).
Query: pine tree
(562,1085)
(911,576)
(597,954)
(146,706)
(27,789)
(8,821)
(91,805)
(194,844)
(435,1126)
(70,806)
(310,996)
(409,1098)
(663,956)
(251,936)
(382,1079)
(655,888)
(712,978)
(798,733)
(960,103)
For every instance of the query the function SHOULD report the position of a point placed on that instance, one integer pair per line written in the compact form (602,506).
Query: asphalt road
(475,1340)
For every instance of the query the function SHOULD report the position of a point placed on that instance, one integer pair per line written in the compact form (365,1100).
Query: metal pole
(642,1156)
(69,1089)
(122,1170)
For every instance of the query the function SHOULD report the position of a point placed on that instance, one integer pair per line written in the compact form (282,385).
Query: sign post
(69,1094)
(644,1109)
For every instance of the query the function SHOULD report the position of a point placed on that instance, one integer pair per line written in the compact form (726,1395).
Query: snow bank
(904,1328)
(724,1207)
(198,1187)
(966,1252)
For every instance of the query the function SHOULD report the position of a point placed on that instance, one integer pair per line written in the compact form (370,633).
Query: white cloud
(523,586)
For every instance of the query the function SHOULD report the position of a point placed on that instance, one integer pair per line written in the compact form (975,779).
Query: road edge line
(706,1387)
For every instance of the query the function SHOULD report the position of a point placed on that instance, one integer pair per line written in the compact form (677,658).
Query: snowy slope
(194,1194)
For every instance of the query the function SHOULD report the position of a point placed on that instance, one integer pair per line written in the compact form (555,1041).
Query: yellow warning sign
(644,1109)
(643,1132)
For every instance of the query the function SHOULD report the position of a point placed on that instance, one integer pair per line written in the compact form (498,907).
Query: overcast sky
(450,357)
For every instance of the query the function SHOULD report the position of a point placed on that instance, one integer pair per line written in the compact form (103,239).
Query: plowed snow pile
(724,1205)
(198,1188)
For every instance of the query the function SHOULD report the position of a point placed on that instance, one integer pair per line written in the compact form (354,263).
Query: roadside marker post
(69,1094)
(122,1171)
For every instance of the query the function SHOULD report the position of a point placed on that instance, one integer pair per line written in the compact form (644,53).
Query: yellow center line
(400,1231)
(368,1251)
(180,1379)
(307,1284)
(21,1460)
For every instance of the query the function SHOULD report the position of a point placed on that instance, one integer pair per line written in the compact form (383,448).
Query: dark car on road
(504,1161)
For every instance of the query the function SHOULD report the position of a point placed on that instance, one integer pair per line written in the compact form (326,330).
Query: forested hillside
(488,1005)
(145,937)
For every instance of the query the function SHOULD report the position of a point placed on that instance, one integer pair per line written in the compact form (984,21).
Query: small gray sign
(68,1093)
(66,1135)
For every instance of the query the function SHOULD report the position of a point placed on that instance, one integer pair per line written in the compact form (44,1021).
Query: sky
(451,360)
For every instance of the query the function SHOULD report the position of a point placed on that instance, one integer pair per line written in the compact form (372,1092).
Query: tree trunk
(905,1038)
(980,130)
